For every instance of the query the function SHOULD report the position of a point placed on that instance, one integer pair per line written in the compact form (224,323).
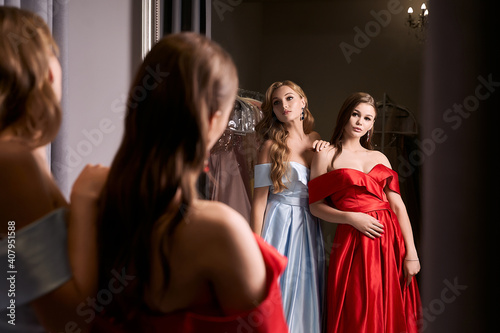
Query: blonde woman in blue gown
(280,210)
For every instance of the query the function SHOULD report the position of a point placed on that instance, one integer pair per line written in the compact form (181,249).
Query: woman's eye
(289,98)
(276,102)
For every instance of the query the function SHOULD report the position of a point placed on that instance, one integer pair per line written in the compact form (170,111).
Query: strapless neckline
(360,171)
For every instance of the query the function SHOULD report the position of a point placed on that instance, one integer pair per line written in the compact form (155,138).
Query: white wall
(102,38)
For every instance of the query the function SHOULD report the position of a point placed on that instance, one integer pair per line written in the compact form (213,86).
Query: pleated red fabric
(266,317)
(367,291)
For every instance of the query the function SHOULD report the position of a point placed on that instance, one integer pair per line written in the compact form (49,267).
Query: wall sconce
(420,20)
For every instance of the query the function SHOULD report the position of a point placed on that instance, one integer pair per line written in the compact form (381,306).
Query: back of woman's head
(270,128)
(183,80)
(28,105)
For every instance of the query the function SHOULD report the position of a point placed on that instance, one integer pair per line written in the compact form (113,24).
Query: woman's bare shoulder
(217,220)
(314,136)
(18,166)
(224,251)
(263,153)
(24,184)
(321,161)
(380,158)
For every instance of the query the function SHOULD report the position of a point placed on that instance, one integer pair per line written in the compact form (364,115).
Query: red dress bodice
(353,190)
(267,317)
(367,290)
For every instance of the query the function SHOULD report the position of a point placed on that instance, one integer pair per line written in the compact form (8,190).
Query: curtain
(460,172)
(190,15)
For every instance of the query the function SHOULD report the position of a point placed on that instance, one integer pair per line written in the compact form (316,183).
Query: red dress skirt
(267,317)
(367,291)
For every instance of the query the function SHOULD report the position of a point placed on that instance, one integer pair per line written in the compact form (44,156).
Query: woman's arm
(82,233)
(366,224)
(57,309)
(259,203)
(260,194)
(412,263)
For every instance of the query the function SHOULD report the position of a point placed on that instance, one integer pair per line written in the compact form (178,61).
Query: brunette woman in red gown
(371,285)
(169,261)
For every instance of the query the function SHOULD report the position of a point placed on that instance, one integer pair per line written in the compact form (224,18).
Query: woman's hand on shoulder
(318,144)
(90,182)
(321,161)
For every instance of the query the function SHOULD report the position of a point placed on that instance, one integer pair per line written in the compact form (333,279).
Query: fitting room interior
(437,88)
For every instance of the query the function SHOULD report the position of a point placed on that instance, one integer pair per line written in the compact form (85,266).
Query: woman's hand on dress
(319,145)
(366,224)
(411,267)
(90,182)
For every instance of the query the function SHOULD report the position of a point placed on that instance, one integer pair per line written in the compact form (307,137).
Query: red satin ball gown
(367,291)
(266,317)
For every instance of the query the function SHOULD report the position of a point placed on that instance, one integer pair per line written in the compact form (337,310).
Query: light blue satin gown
(295,233)
(39,266)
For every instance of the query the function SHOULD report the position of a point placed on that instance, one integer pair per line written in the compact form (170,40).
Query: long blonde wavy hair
(270,128)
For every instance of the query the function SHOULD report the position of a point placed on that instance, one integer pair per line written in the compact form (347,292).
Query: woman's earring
(368,136)
(302,116)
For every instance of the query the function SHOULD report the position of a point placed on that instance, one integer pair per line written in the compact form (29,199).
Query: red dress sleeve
(392,181)
(321,187)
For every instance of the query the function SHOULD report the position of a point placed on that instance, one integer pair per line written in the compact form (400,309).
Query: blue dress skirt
(295,233)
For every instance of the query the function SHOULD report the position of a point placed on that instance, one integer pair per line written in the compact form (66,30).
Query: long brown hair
(270,128)
(183,80)
(28,104)
(343,117)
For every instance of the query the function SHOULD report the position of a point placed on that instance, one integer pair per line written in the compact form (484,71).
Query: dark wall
(461,228)
(330,48)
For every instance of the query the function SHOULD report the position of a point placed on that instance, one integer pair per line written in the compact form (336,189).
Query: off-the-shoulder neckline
(366,173)
(288,162)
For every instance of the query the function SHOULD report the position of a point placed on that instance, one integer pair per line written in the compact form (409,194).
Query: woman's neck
(352,144)
(296,131)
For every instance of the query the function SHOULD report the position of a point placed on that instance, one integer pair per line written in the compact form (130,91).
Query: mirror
(331,49)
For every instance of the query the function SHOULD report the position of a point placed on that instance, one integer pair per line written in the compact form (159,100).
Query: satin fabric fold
(266,317)
(367,290)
